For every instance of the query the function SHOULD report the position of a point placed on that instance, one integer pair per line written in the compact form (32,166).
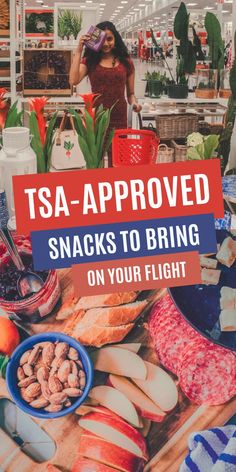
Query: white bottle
(16,158)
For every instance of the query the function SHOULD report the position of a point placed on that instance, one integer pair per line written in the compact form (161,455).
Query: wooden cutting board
(167,441)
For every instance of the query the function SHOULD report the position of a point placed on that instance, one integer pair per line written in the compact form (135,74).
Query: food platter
(164,436)
(200,304)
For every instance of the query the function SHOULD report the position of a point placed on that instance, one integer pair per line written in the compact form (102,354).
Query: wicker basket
(176,126)
(165,154)
(180,150)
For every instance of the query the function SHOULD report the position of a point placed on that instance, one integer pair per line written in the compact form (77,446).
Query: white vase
(16,158)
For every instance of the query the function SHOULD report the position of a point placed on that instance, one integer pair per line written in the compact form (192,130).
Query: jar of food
(35,307)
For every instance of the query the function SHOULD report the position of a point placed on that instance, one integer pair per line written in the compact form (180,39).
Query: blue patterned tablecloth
(229,187)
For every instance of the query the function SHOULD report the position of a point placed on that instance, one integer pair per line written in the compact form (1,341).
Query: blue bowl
(13,364)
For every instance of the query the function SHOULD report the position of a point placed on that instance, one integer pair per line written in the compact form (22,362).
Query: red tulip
(37,104)
(89,99)
(4,107)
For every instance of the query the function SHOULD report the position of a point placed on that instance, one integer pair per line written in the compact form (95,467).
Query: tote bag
(66,153)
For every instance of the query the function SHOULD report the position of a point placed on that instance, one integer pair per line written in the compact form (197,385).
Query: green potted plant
(43,136)
(227,133)
(155,84)
(202,147)
(187,53)
(69,24)
(180,88)
(94,135)
(208,79)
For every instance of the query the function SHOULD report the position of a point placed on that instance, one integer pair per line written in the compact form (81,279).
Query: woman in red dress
(111,74)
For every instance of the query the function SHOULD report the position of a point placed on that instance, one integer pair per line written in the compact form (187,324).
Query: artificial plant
(92,127)
(156,75)
(226,135)
(42,136)
(202,147)
(188,52)
(161,52)
(9,115)
(215,41)
(69,23)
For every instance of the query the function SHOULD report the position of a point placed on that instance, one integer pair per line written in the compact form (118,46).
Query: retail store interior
(176,72)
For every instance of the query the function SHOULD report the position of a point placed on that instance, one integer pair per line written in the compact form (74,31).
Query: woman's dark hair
(120,51)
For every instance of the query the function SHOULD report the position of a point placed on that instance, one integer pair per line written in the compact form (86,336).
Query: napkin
(212,450)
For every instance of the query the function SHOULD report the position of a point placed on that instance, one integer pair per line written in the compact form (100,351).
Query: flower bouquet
(92,127)
(201,147)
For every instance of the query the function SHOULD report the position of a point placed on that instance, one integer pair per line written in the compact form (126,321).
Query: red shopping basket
(134,147)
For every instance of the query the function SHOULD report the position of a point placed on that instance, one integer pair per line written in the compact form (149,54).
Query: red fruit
(9,336)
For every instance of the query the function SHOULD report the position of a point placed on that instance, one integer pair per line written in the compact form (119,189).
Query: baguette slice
(97,336)
(227,253)
(67,309)
(111,299)
(73,321)
(228,320)
(208,262)
(210,276)
(228,298)
(113,316)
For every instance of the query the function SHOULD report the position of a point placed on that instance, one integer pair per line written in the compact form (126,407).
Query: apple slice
(159,387)
(82,464)
(143,404)
(133,347)
(96,448)
(115,401)
(146,427)
(89,401)
(116,360)
(84,409)
(116,431)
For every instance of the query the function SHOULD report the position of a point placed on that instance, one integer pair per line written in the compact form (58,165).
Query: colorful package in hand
(97,38)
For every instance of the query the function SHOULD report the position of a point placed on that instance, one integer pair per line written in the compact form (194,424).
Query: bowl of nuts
(49,375)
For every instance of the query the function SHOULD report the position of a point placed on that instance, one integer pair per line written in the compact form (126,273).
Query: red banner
(100,196)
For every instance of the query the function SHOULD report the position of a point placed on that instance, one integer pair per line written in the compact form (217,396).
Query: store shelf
(8,79)
(7,59)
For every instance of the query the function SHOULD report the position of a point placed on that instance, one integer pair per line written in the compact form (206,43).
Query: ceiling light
(102,4)
(120,7)
(89,1)
(124,1)
(191,4)
(208,8)
(225,11)
(142,5)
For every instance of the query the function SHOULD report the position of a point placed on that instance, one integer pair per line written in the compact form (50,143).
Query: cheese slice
(208,262)
(227,253)
(228,298)
(228,320)
(210,276)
